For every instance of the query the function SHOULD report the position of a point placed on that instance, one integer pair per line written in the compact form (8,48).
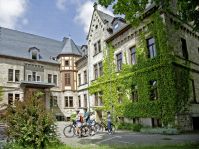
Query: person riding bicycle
(87,116)
(109,122)
(78,121)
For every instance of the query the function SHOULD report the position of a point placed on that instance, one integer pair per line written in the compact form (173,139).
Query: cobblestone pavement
(126,138)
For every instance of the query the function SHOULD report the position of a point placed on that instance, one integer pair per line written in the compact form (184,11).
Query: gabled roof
(69,47)
(105,17)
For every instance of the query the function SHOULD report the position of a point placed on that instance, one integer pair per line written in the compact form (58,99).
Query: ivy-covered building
(146,73)
(150,71)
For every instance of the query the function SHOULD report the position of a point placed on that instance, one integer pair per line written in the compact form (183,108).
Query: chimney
(95,6)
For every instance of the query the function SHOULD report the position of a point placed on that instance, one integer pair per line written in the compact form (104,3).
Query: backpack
(81,119)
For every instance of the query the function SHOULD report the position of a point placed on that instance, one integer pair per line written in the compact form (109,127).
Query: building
(160,52)
(30,63)
(63,70)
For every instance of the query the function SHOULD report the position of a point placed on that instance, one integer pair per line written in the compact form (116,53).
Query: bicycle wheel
(85,130)
(92,130)
(69,131)
(98,127)
(113,128)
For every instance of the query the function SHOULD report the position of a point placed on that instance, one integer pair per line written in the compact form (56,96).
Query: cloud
(84,14)
(61,4)
(11,11)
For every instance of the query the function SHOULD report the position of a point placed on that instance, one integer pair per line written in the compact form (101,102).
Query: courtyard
(126,138)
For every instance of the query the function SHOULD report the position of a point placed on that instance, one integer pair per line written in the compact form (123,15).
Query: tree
(187,10)
(29,123)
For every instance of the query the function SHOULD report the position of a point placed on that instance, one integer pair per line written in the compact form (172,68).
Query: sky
(49,18)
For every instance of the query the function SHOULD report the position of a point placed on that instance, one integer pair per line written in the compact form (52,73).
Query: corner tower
(68,71)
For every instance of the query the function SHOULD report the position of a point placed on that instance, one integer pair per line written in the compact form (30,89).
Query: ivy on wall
(172,81)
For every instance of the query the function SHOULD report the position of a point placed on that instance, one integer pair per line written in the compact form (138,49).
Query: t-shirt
(109,118)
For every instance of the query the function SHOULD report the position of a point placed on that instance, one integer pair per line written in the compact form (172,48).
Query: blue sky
(49,18)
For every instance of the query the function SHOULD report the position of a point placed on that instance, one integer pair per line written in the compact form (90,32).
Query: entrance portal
(195,123)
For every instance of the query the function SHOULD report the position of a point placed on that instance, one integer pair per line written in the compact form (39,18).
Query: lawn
(180,146)
(62,146)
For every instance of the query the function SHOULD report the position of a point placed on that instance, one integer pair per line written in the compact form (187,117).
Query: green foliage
(29,123)
(133,10)
(172,97)
(129,126)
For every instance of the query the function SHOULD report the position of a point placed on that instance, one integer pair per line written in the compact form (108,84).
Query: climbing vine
(172,84)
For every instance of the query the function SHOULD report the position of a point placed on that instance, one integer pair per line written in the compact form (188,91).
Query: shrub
(29,123)
(129,126)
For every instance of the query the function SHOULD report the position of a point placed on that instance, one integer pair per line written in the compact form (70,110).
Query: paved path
(127,138)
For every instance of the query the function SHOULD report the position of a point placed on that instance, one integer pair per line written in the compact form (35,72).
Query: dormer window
(116,26)
(34,53)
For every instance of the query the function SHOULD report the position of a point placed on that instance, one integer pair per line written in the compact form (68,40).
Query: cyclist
(109,122)
(78,122)
(87,116)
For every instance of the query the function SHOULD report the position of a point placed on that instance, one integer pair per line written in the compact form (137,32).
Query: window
(69,101)
(49,78)
(100,69)
(151,48)
(67,79)
(10,98)
(33,76)
(193,92)
(153,90)
(55,79)
(99,46)
(100,99)
(95,71)
(53,101)
(119,61)
(85,100)
(156,122)
(85,77)
(116,26)
(133,55)
(134,93)
(96,99)
(17,97)
(79,101)
(66,102)
(95,48)
(79,79)
(10,74)
(17,74)
(66,63)
(34,55)
(29,77)
(184,48)
(38,78)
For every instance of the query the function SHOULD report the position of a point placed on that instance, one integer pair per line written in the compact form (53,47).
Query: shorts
(79,124)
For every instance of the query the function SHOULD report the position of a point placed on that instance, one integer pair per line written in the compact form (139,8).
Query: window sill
(82,85)
(69,108)
(17,82)
(97,53)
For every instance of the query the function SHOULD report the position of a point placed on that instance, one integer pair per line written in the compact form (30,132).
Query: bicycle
(101,126)
(70,130)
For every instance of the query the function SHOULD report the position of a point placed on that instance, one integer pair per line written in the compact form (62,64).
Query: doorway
(195,123)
